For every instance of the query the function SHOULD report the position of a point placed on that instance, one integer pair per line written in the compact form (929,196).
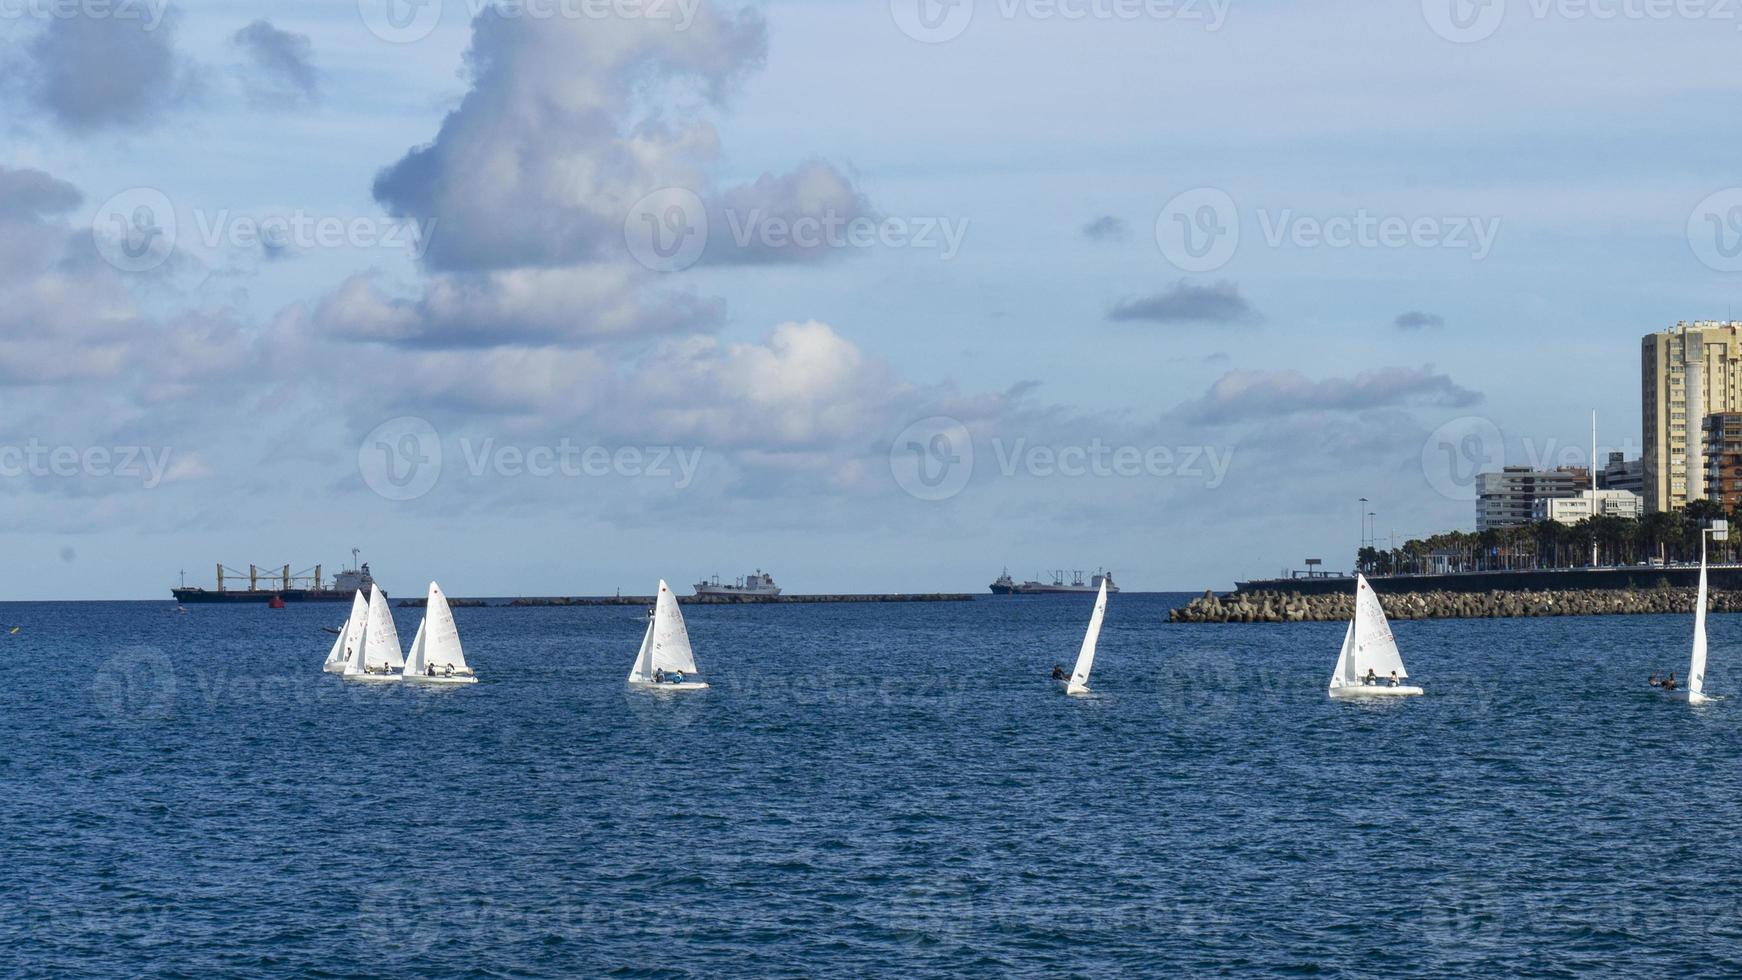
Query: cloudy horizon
(562,298)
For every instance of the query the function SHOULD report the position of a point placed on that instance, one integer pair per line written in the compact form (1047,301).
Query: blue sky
(1553,182)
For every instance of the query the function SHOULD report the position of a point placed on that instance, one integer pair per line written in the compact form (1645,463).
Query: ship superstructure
(757,585)
(264,585)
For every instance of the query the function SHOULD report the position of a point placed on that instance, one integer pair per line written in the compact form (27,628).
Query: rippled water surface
(866,790)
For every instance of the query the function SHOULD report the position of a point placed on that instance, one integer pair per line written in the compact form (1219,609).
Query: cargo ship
(1005,585)
(758,585)
(280,584)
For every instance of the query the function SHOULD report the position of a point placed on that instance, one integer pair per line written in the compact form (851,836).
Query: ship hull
(1050,590)
(738,595)
(259,596)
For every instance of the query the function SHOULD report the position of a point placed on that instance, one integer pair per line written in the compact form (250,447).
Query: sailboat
(1369,648)
(350,636)
(1695,691)
(436,657)
(377,656)
(1079,682)
(665,649)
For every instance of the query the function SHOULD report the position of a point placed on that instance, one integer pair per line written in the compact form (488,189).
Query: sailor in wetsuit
(1058,673)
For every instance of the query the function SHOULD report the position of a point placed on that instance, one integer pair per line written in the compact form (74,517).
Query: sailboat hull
(657,686)
(1374,691)
(373,678)
(1688,696)
(450,681)
(338,668)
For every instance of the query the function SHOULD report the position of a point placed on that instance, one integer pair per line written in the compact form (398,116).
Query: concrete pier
(709,600)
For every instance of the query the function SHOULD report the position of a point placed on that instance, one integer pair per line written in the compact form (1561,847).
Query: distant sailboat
(350,636)
(1369,651)
(1079,682)
(1695,691)
(666,661)
(377,656)
(436,657)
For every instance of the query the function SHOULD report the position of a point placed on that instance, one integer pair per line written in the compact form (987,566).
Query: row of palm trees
(1667,536)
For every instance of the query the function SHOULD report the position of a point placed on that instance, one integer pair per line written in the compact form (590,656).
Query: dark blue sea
(867,790)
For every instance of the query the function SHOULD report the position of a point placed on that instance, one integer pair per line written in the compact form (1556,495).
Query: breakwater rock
(1293,607)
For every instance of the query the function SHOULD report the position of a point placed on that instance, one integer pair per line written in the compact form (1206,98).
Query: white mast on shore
(1593,483)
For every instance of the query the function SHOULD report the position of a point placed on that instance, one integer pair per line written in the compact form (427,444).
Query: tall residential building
(1687,373)
(1508,498)
(1723,455)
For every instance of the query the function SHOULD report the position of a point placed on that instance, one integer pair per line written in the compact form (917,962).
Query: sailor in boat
(1653,681)
(1394,678)
(659,675)
(1058,673)
(676,677)
(1372,678)
(1669,682)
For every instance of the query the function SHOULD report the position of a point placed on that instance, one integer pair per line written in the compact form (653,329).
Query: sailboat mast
(1593,483)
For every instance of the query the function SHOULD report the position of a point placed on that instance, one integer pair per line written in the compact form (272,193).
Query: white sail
(643,669)
(1697,668)
(1368,645)
(671,639)
(1375,647)
(1344,675)
(1086,656)
(442,641)
(380,647)
(667,643)
(336,656)
(414,661)
(351,637)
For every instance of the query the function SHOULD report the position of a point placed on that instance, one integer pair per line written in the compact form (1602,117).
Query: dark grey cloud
(1187,302)
(1417,320)
(1106,228)
(31,195)
(281,63)
(1240,396)
(97,73)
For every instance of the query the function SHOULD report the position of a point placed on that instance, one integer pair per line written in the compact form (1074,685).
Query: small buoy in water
(276,603)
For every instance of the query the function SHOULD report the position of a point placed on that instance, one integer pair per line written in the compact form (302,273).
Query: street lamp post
(1361,537)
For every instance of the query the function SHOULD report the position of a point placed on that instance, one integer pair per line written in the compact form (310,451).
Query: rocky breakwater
(1292,607)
